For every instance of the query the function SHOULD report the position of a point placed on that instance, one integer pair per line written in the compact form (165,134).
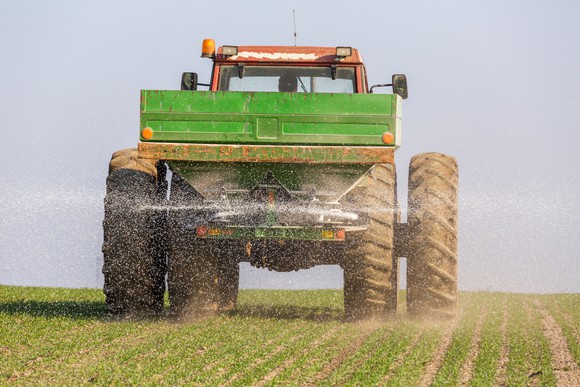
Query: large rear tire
(432,222)
(370,289)
(134,274)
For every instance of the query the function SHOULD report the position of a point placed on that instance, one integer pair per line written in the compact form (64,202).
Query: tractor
(286,161)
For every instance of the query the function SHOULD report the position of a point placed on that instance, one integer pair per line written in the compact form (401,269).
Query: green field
(63,336)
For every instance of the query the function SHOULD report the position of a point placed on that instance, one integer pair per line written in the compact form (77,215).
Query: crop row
(62,336)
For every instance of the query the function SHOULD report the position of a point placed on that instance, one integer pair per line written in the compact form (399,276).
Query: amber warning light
(208,48)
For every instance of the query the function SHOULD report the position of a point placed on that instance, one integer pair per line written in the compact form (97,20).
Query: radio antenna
(294,18)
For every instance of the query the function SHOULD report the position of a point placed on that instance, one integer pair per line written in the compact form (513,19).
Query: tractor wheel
(134,276)
(193,277)
(201,283)
(193,272)
(369,277)
(202,278)
(128,159)
(228,279)
(432,222)
(393,296)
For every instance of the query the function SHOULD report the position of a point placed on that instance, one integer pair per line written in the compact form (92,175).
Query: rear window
(288,79)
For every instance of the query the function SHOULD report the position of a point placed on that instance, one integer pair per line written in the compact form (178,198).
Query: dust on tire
(432,222)
(134,277)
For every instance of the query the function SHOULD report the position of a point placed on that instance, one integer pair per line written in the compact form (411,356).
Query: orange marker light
(208,48)
(388,138)
(147,133)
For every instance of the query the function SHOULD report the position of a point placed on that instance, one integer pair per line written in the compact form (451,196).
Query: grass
(460,344)
(486,365)
(63,336)
(528,346)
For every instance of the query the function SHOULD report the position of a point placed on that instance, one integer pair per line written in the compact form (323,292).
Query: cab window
(305,79)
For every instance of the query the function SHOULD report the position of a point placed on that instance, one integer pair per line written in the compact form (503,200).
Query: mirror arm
(379,85)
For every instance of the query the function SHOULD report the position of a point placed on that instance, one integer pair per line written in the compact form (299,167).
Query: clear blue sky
(494,83)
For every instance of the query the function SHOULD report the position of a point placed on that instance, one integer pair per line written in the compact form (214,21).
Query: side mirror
(400,85)
(189,81)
